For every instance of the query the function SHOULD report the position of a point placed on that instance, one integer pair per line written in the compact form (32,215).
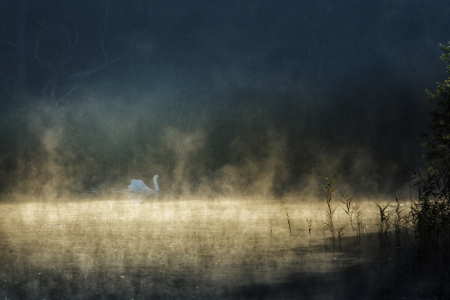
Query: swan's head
(155,181)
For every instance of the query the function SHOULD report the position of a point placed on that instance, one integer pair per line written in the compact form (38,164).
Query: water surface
(187,249)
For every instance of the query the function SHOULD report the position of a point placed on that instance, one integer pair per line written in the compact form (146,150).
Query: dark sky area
(217,97)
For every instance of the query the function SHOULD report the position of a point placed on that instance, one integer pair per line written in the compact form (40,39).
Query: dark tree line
(46,42)
(49,45)
(328,74)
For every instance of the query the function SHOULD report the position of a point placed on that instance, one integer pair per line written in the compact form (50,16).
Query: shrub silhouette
(431,212)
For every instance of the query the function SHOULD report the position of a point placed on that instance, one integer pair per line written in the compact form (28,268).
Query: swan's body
(139,191)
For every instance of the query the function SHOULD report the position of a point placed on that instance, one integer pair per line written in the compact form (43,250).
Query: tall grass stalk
(340,232)
(430,214)
(383,223)
(323,231)
(289,224)
(330,210)
(309,222)
(348,209)
(398,222)
(359,222)
(270,221)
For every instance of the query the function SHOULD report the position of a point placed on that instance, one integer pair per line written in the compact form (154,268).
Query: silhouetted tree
(60,59)
(438,144)
(19,9)
(431,212)
(58,56)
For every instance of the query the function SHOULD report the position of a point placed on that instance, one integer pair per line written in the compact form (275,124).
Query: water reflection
(138,198)
(177,249)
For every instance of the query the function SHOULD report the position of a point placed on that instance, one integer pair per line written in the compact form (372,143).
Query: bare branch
(62,98)
(66,53)
(71,46)
(48,65)
(85,73)
(353,3)
(36,55)
(10,44)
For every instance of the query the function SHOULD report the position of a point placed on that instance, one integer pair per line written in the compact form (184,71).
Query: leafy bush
(431,212)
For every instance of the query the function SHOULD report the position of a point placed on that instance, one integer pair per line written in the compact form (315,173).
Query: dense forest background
(217,97)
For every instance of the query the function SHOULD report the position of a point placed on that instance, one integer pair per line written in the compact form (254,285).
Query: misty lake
(100,248)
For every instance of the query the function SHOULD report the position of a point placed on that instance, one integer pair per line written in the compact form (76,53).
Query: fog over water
(245,110)
(221,249)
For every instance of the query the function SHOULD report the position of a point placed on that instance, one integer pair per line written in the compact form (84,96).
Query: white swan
(139,191)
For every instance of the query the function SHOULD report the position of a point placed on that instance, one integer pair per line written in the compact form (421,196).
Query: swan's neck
(155,181)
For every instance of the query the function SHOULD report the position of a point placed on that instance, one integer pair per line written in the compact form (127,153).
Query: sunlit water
(178,249)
